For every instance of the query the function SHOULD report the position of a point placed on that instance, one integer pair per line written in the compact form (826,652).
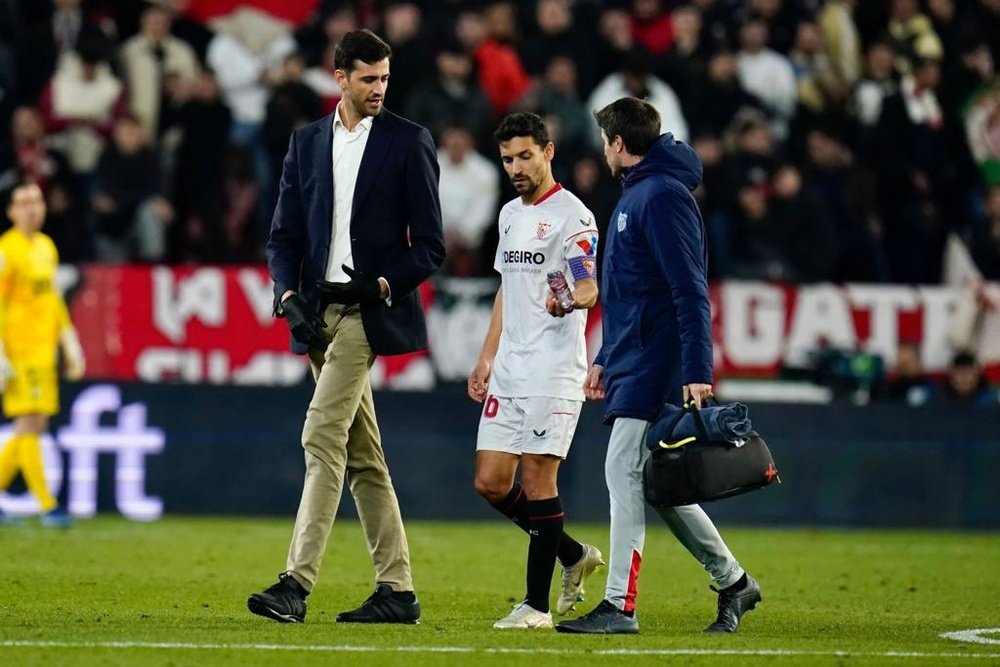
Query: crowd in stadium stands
(842,140)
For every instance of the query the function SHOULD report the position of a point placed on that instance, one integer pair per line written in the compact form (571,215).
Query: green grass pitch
(111,592)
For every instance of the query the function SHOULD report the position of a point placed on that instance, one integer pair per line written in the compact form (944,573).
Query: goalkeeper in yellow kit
(34,322)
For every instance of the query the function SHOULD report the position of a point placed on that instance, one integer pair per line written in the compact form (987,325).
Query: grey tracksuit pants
(627,453)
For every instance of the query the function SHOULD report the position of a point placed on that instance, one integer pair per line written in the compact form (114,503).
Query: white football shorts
(534,425)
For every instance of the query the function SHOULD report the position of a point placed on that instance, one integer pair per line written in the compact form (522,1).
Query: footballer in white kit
(532,367)
(536,390)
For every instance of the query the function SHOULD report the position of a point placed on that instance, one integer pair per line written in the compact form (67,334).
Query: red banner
(293,11)
(214,325)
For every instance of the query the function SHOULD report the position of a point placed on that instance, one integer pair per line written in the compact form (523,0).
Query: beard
(524,185)
(362,108)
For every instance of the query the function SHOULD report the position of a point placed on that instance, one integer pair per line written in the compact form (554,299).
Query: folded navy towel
(729,422)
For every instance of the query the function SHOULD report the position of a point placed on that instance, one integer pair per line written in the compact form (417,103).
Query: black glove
(304,326)
(359,290)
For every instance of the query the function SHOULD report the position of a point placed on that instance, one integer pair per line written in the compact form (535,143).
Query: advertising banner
(144,451)
(214,325)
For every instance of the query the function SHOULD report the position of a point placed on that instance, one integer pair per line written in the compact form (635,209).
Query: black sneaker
(384,606)
(605,619)
(284,602)
(733,604)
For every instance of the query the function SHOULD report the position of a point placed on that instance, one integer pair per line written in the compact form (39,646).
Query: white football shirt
(541,355)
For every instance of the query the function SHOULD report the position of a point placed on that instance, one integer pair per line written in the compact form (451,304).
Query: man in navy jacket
(356,229)
(657,348)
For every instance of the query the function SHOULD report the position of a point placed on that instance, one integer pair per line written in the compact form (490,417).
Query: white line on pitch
(349,648)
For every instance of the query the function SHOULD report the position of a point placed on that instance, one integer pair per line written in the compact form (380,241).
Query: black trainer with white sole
(284,602)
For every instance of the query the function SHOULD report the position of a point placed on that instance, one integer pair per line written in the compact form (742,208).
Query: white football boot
(574,576)
(525,617)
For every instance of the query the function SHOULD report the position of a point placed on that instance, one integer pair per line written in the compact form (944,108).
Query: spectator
(803,232)
(558,35)
(717,97)
(913,171)
(187,29)
(847,193)
(841,40)
(909,383)
(501,75)
(767,75)
(451,95)
(966,385)
(80,105)
(713,198)
(874,87)
(819,87)
(635,80)
(616,42)
(753,158)
(132,215)
(402,23)
(241,193)
(155,64)
(652,26)
(292,105)
(204,120)
(779,16)
(686,64)
(470,188)
(986,237)
(980,116)
(556,96)
(50,31)
(30,158)
(320,77)
(912,35)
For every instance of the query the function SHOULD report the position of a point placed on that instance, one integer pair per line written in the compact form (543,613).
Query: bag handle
(696,413)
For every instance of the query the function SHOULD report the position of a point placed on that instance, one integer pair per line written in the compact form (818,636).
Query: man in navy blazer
(356,229)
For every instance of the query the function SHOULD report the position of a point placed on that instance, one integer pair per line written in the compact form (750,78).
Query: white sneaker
(525,617)
(574,576)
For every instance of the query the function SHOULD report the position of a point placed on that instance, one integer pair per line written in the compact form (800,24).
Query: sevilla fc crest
(543,229)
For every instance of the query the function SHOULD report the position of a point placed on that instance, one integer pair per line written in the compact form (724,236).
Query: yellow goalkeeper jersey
(32,312)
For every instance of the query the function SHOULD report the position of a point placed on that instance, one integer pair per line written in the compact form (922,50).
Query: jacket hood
(670,157)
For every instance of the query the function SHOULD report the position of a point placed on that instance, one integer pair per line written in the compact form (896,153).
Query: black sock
(515,508)
(739,585)
(545,522)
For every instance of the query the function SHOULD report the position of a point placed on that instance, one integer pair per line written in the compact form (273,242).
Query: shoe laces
(285,585)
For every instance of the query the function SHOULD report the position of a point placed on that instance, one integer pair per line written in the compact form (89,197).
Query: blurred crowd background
(842,140)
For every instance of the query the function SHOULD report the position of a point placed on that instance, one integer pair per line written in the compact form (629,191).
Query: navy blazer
(395,224)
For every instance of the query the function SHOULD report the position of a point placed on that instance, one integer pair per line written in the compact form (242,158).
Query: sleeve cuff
(388,291)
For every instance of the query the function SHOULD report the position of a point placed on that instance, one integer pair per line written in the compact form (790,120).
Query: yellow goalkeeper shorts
(34,390)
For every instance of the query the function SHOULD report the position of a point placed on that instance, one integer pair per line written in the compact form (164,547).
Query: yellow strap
(679,443)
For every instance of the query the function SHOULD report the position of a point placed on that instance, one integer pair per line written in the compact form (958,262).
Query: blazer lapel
(371,162)
(323,161)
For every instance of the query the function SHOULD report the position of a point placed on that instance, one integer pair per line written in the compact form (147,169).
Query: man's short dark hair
(363,45)
(636,121)
(523,124)
(964,359)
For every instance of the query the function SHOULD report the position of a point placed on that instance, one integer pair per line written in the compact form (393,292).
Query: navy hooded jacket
(657,323)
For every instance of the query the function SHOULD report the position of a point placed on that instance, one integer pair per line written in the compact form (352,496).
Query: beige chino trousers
(341,436)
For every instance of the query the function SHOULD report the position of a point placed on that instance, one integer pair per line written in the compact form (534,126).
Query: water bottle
(559,287)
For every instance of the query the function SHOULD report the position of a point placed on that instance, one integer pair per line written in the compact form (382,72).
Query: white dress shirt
(348,149)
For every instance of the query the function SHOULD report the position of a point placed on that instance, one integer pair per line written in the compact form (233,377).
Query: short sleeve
(580,245)
(504,216)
